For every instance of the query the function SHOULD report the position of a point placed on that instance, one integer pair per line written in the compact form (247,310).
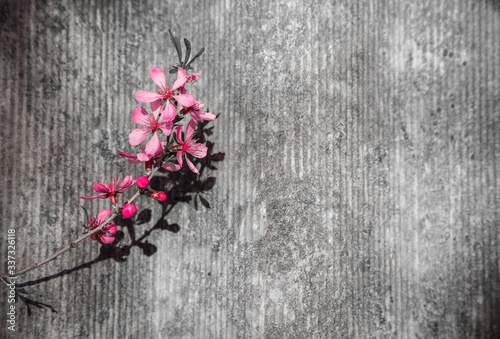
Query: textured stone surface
(355,161)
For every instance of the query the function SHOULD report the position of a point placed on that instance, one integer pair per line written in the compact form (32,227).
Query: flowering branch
(164,118)
(73,243)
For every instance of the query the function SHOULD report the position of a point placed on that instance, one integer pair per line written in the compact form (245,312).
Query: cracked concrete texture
(355,162)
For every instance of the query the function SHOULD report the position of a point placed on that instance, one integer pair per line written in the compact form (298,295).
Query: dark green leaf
(196,56)
(177,44)
(188,50)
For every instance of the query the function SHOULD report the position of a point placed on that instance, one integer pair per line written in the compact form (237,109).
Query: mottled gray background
(355,161)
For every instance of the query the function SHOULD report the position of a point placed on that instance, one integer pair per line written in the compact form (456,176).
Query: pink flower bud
(128,211)
(142,182)
(160,196)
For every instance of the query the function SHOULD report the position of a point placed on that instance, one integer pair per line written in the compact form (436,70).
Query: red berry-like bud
(128,211)
(142,182)
(160,196)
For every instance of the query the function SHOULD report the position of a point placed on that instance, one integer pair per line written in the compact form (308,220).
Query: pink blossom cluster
(169,105)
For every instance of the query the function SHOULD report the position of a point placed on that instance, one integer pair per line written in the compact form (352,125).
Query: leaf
(188,50)
(177,44)
(196,56)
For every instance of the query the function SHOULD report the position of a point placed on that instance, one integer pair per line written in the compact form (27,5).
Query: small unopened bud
(160,196)
(142,182)
(128,211)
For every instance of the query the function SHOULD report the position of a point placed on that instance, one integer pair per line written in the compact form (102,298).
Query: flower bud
(142,182)
(128,211)
(160,196)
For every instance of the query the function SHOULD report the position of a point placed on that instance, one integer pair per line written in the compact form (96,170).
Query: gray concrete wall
(355,160)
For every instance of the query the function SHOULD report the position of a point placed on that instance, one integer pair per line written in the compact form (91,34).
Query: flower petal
(189,130)
(200,116)
(106,240)
(141,116)
(127,182)
(192,166)
(158,76)
(179,158)
(110,229)
(198,150)
(91,220)
(171,167)
(101,188)
(93,237)
(143,157)
(198,105)
(130,158)
(126,155)
(138,135)
(153,146)
(181,78)
(169,112)
(156,108)
(167,128)
(178,134)
(103,215)
(186,100)
(146,97)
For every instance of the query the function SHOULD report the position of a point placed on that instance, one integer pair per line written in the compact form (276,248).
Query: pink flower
(128,211)
(144,157)
(188,145)
(141,117)
(195,112)
(166,94)
(111,189)
(191,80)
(142,182)
(106,233)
